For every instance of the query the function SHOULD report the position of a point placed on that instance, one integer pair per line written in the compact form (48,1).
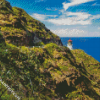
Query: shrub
(39,44)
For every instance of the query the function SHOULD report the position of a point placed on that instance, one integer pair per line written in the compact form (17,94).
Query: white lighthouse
(69,45)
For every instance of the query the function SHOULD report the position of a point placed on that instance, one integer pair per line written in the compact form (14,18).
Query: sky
(65,18)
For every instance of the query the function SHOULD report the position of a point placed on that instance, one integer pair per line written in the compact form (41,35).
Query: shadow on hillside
(90,91)
(80,66)
(62,88)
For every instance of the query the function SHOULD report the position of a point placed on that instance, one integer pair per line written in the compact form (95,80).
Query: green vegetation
(39,44)
(19,24)
(51,47)
(48,73)
(25,69)
(4,95)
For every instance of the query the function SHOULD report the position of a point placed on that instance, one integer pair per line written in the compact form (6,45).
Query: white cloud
(38,16)
(69,32)
(98,28)
(95,17)
(42,17)
(68,21)
(67,18)
(76,18)
(74,2)
(62,11)
(79,15)
(75,33)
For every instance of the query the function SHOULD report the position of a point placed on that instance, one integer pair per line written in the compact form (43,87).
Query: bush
(39,44)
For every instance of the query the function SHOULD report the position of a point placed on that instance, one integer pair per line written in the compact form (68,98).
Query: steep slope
(49,73)
(19,28)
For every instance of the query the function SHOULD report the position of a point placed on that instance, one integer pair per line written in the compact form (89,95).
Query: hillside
(50,73)
(20,29)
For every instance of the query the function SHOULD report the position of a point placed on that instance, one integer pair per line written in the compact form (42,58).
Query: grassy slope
(16,23)
(45,73)
(55,72)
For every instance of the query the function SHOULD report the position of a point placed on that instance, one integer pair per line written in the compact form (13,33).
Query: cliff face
(19,28)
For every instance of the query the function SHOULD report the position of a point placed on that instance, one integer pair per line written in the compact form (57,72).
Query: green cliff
(19,28)
(50,73)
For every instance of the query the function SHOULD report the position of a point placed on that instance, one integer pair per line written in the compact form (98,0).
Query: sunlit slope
(51,72)
(20,28)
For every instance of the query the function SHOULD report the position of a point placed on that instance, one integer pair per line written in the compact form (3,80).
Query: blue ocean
(90,45)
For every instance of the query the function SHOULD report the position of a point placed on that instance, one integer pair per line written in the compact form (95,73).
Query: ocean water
(90,45)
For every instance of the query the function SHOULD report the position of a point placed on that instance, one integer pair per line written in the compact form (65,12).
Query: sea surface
(90,45)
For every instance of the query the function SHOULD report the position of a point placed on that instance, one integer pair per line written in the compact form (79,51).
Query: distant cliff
(19,28)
